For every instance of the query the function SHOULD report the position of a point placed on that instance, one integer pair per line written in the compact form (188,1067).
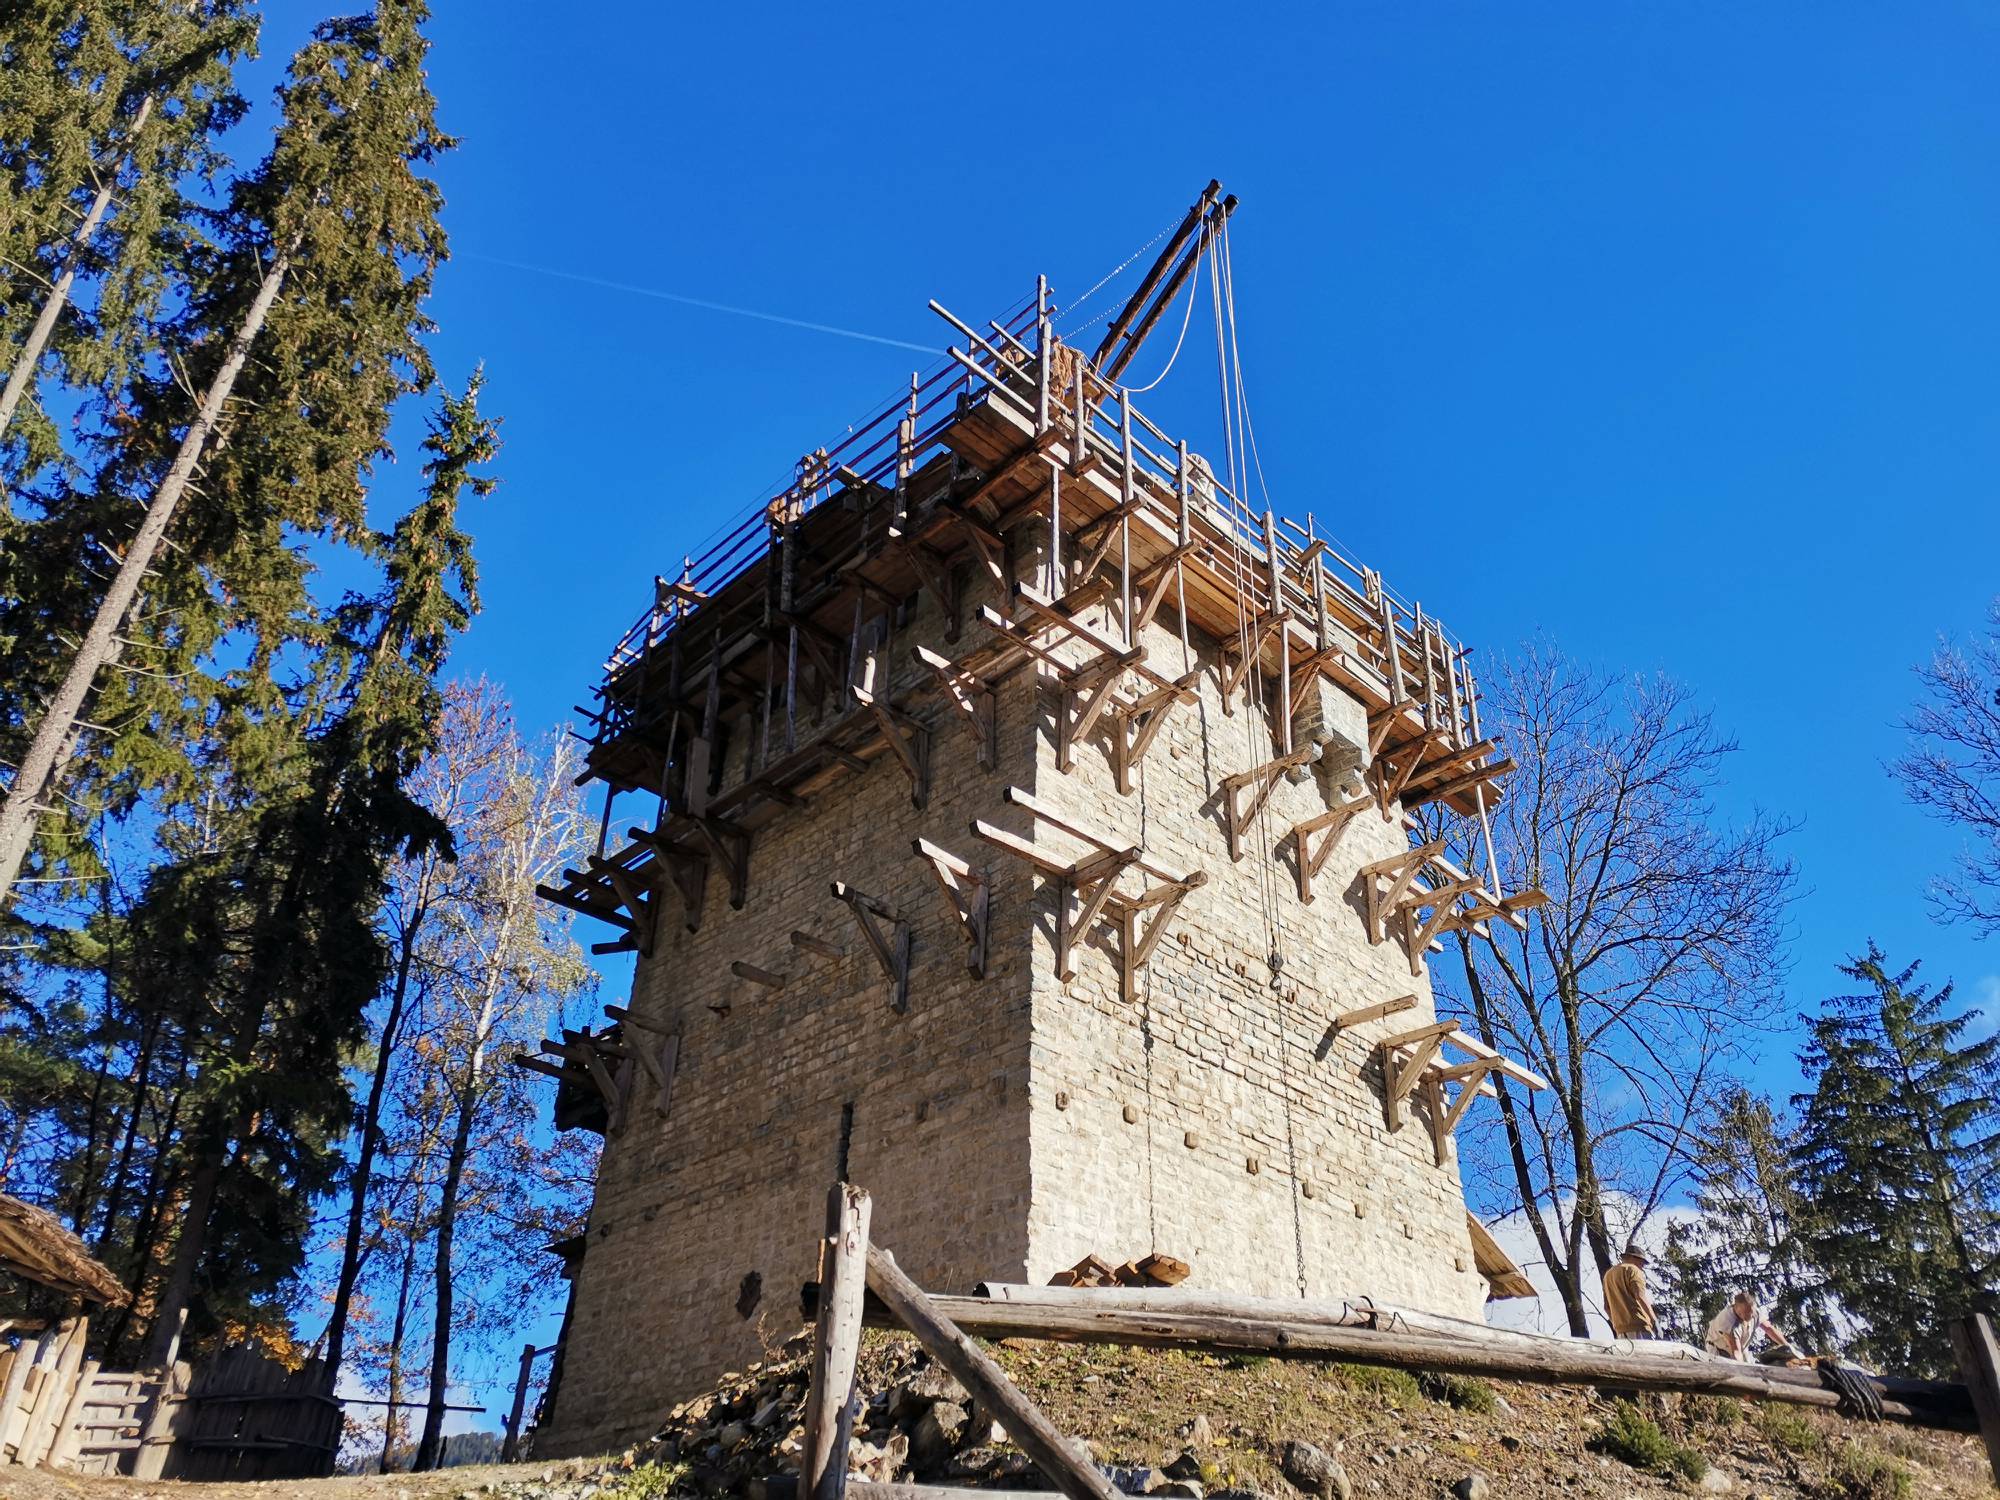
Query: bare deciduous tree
(1952,768)
(1659,953)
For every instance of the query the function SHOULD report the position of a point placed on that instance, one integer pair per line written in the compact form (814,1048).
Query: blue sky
(1667,331)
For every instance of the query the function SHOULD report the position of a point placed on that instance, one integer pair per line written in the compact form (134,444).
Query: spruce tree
(323,259)
(1899,1157)
(110,114)
(1750,1227)
(431,596)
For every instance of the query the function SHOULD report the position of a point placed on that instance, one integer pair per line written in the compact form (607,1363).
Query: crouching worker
(1733,1332)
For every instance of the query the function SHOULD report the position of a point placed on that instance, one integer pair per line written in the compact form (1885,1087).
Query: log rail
(1226,1324)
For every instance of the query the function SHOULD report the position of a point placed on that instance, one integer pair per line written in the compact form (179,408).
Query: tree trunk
(22,807)
(187,1256)
(114,1198)
(390,1425)
(364,1162)
(429,1446)
(30,357)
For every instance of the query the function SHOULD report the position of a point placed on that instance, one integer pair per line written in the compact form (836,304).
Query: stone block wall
(734,1183)
(1007,1126)
(1220,1120)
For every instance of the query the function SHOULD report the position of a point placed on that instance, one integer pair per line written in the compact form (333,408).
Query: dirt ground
(1229,1420)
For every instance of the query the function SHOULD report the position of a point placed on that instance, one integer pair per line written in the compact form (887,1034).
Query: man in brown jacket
(1626,1301)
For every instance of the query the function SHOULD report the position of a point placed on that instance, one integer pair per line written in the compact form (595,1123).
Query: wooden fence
(242,1416)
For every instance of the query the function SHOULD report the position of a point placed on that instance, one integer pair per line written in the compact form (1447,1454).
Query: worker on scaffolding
(1627,1302)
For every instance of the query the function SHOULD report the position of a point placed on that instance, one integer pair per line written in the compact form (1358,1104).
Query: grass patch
(1398,1386)
(1246,1361)
(1632,1437)
(1786,1428)
(1861,1473)
(645,1482)
(1465,1392)
(1715,1411)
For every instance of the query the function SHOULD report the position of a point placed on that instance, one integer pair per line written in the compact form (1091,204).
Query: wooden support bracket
(1411,1063)
(1142,922)
(1138,722)
(1331,822)
(1259,782)
(969,894)
(636,893)
(1236,667)
(659,1060)
(891,949)
(757,976)
(730,846)
(973,698)
(590,1052)
(908,740)
(937,576)
(1087,887)
(688,868)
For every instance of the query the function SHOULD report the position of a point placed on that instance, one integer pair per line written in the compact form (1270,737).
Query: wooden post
(843,1279)
(1073,1473)
(1978,1355)
(52,1395)
(156,1432)
(11,1390)
(511,1447)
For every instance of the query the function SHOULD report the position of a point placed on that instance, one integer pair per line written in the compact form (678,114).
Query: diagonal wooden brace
(1138,721)
(635,900)
(907,739)
(1235,670)
(730,847)
(1142,922)
(1331,822)
(1259,782)
(969,894)
(891,949)
(972,698)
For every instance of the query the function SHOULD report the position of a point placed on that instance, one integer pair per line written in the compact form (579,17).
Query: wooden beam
(1937,1405)
(1366,1013)
(1978,1354)
(756,975)
(820,946)
(1067,1467)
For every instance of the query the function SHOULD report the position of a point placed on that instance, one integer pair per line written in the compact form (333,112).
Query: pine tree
(1750,1227)
(1899,1156)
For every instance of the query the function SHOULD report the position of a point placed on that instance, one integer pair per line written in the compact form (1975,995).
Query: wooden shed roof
(1503,1277)
(34,1245)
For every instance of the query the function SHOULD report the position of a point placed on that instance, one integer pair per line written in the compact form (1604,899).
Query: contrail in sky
(703,302)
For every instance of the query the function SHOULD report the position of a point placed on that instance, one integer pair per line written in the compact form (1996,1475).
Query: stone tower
(1023,831)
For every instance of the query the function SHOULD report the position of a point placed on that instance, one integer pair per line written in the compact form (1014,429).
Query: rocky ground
(1191,1427)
